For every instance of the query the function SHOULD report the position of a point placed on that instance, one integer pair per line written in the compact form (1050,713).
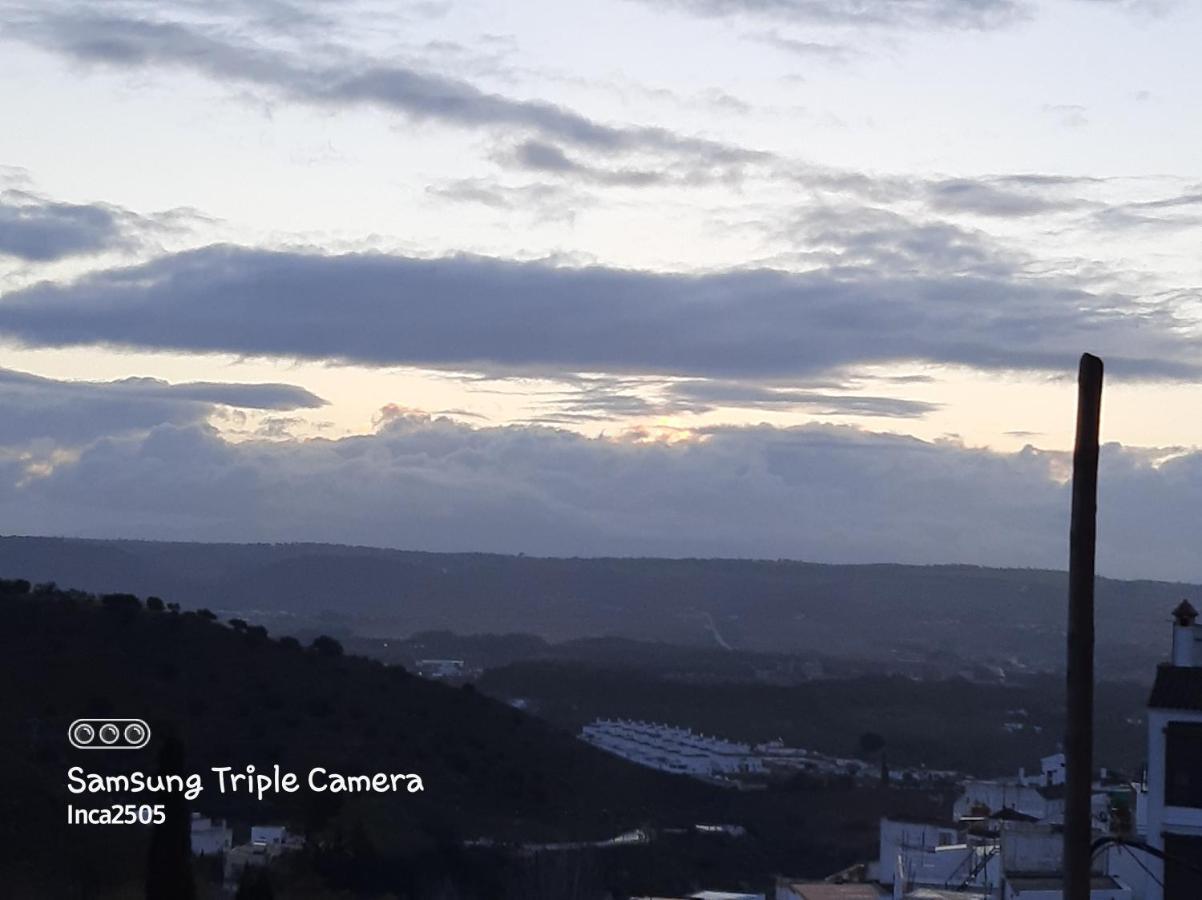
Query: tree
(125,606)
(207,614)
(326,646)
(154,604)
(871,744)
(238,624)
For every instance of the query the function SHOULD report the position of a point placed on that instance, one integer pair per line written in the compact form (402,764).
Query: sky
(795,279)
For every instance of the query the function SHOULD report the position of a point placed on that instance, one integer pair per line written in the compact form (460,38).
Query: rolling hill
(1007,618)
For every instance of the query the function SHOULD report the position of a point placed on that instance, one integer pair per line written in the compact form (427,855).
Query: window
(1183,764)
(1183,861)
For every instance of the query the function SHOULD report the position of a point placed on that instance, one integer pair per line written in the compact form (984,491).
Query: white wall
(1176,819)
(209,837)
(267,834)
(999,795)
(896,835)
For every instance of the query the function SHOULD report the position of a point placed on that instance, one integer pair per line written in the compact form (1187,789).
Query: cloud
(899,14)
(546,158)
(1006,196)
(1179,212)
(711,394)
(989,198)
(34,229)
(817,51)
(1143,8)
(1069,115)
(540,201)
(815,492)
(595,398)
(482,314)
(74,413)
(975,15)
(879,240)
(329,77)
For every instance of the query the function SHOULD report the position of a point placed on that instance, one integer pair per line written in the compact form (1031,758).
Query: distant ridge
(1009,617)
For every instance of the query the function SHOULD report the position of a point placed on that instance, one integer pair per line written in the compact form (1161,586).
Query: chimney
(1184,617)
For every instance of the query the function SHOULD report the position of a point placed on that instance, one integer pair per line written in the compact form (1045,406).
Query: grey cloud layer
(73,413)
(813,492)
(487,314)
(34,229)
(341,79)
(145,38)
(37,229)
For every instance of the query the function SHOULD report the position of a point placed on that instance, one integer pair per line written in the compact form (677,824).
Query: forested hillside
(1006,618)
(236,696)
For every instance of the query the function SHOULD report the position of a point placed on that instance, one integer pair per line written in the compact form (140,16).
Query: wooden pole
(1078,736)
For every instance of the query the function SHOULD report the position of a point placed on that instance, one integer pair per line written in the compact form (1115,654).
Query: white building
(276,838)
(210,836)
(1018,817)
(1174,808)
(441,668)
(1051,771)
(1016,801)
(268,835)
(982,799)
(898,837)
(1008,860)
(667,748)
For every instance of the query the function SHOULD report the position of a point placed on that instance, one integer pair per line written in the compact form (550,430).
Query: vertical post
(1078,736)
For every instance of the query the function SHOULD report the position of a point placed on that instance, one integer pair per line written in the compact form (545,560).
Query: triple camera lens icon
(109,734)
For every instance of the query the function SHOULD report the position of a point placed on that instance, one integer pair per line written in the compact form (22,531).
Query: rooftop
(825,891)
(1055,883)
(1177,687)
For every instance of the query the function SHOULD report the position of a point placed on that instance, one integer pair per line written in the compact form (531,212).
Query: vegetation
(924,619)
(943,724)
(236,697)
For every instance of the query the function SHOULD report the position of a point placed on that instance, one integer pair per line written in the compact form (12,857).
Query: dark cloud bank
(74,413)
(813,492)
(487,314)
(35,229)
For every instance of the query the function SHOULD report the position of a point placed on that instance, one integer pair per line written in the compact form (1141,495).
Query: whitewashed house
(1174,799)
(210,836)
(680,751)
